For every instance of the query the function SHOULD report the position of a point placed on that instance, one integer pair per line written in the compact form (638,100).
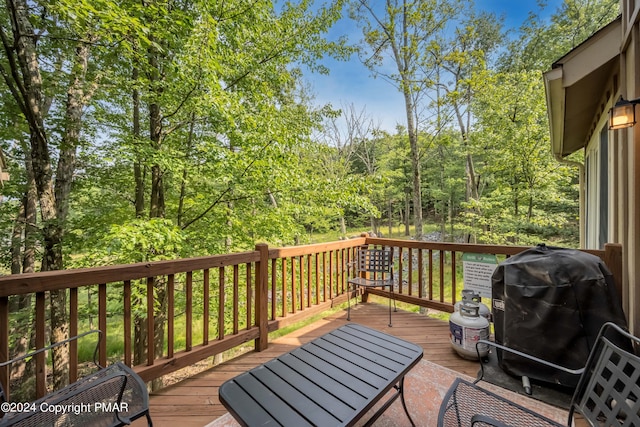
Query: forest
(141,131)
(136,131)
(153,130)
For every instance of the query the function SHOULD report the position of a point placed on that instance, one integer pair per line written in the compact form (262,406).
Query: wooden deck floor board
(194,401)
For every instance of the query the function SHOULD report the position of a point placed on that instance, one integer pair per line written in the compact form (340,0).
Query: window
(597,192)
(603,188)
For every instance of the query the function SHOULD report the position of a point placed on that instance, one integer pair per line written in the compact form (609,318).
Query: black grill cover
(551,302)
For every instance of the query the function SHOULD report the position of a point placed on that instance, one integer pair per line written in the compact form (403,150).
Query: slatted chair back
(374,269)
(608,392)
(375,260)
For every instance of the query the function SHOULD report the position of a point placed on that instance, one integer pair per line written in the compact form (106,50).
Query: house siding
(625,171)
(581,88)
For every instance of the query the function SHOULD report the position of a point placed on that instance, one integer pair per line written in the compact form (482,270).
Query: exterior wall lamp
(623,114)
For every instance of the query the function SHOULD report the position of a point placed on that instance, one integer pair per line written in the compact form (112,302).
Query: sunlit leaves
(524,181)
(234,125)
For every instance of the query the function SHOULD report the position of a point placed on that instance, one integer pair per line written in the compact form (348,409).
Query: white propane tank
(466,328)
(471,296)
(467,296)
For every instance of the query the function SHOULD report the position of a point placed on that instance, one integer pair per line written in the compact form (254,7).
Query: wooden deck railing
(215,303)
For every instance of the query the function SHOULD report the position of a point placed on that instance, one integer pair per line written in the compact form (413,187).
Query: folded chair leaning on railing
(607,394)
(109,397)
(374,269)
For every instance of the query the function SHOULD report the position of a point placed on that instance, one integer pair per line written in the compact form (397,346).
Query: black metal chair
(111,396)
(374,269)
(607,394)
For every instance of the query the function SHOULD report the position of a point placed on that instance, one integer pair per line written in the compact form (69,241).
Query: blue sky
(351,83)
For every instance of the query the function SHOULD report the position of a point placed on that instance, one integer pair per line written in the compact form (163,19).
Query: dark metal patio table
(333,380)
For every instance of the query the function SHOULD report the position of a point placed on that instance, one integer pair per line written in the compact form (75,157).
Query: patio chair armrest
(483,420)
(95,402)
(57,344)
(466,404)
(535,359)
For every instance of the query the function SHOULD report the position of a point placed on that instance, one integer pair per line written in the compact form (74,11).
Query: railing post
(262,297)
(151,346)
(41,367)
(4,343)
(613,259)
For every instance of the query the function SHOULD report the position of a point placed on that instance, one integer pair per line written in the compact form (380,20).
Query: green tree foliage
(138,131)
(539,42)
(484,150)
(158,129)
(48,64)
(190,116)
(228,127)
(523,181)
(461,60)
(398,35)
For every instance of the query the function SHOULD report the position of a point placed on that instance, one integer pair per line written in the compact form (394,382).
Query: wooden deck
(194,401)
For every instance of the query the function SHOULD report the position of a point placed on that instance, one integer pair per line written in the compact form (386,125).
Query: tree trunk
(139,336)
(138,168)
(272,198)
(76,101)
(139,323)
(450,213)
(16,239)
(30,222)
(443,206)
(26,86)
(157,202)
(472,180)
(159,321)
(343,226)
(31,101)
(19,329)
(415,165)
(390,218)
(157,196)
(23,242)
(471,193)
(407,210)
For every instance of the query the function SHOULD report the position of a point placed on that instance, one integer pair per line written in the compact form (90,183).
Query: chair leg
(394,303)
(392,296)
(349,303)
